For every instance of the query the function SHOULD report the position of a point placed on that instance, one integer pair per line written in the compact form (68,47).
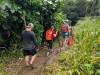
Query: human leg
(27,59)
(50,44)
(65,39)
(49,47)
(32,59)
(30,56)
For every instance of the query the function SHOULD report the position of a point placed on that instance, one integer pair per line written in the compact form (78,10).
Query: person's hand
(35,47)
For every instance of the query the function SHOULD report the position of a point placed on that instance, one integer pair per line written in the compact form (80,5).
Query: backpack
(49,34)
(70,41)
(64,28)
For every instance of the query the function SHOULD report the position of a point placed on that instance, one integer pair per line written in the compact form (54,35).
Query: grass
(83,57)
(7,56)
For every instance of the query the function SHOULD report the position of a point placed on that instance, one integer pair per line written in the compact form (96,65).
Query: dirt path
(41,61)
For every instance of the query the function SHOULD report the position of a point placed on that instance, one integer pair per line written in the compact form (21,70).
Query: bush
(81,58)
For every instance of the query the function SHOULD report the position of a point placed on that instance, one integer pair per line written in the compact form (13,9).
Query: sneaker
(26,66)
(52,50)
(48,53)
(29,67)
(63,48)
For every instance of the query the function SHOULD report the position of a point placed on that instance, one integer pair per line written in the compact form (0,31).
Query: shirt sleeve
(34,39)
(21,37)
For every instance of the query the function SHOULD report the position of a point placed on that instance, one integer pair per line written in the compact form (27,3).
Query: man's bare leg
(64,43)
(27,59)
(32,59)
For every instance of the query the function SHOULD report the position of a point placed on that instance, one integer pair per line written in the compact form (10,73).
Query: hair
(31,25)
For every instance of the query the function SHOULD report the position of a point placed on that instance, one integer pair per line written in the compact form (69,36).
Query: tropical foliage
(75,9)
(15,14)
(83,58)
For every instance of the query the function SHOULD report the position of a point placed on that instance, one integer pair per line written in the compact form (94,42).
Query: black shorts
(65,35)
(29,52)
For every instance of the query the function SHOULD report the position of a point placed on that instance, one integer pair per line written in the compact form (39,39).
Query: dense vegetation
(75,9)
(15,14)
(84,57)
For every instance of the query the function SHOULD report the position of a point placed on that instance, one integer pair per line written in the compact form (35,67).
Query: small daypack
(64,28)
(49,34)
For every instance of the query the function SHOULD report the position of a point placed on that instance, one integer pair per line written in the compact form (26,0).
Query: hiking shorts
(29,52)
(65,35)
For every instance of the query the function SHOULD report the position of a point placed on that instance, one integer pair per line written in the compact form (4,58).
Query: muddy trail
(18,68)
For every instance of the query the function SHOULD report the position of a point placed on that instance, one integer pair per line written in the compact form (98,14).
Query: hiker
(65,33)
(30,45)
(43,41)
(50,34)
